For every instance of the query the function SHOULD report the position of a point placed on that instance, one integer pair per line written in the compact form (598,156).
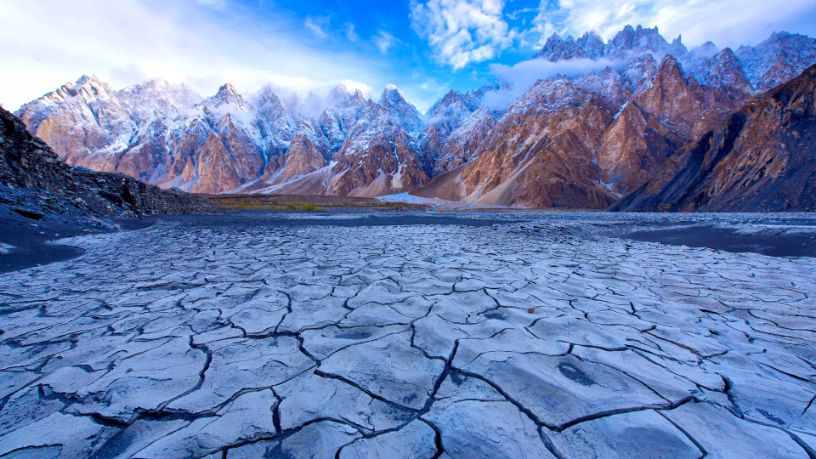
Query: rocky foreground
(357,336)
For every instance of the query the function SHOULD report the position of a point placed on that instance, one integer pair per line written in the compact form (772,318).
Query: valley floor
(414,335)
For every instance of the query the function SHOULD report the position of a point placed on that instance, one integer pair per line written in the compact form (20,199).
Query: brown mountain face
(228,142)
(68,133)
(683,104)
(306,154)
(634,148)
(762,159)
(208,159)
(91,125)
(456,126)
(661,118)
(378,158)
(538,155)
(228,159)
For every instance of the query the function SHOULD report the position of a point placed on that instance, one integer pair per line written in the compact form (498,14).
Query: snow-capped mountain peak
(91,83)
(391,95)
(402,112)
(778,59)
(588,46)
(227,94)
(705,51)
(87,87)
(638,40)
(626,44)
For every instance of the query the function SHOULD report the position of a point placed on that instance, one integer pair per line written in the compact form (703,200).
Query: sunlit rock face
(584,142)
(658,98)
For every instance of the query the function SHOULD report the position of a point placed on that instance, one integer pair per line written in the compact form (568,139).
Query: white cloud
(317,99)
(515,80)
(317,26)
(461,32)
(352,86)
(726,22)
(351,32)
(384,41)
(49,42)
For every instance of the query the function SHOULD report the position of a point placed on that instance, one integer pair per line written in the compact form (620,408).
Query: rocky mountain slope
(538,154)
(762,159)
(34,181)
(577,142)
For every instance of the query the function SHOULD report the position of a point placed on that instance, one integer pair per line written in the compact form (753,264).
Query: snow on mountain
(345,109)
(778,59)
(588,46)
(446,117)
(401,111)
(628,42)
(639,40)
(274,125)
(89,124)
(463,143)
(157,98)
(167,135)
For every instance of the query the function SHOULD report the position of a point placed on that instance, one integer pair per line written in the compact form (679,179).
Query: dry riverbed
(413,335)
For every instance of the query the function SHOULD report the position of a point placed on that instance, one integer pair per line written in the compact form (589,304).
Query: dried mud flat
(511,335)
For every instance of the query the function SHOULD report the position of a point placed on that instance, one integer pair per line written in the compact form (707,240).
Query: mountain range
(656,127)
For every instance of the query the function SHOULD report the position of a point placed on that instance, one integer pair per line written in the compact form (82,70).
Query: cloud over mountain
(462,31)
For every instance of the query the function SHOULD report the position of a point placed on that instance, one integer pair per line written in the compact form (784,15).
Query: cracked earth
(521,336)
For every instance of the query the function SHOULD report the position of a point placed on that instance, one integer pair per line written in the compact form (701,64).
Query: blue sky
(426,47)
